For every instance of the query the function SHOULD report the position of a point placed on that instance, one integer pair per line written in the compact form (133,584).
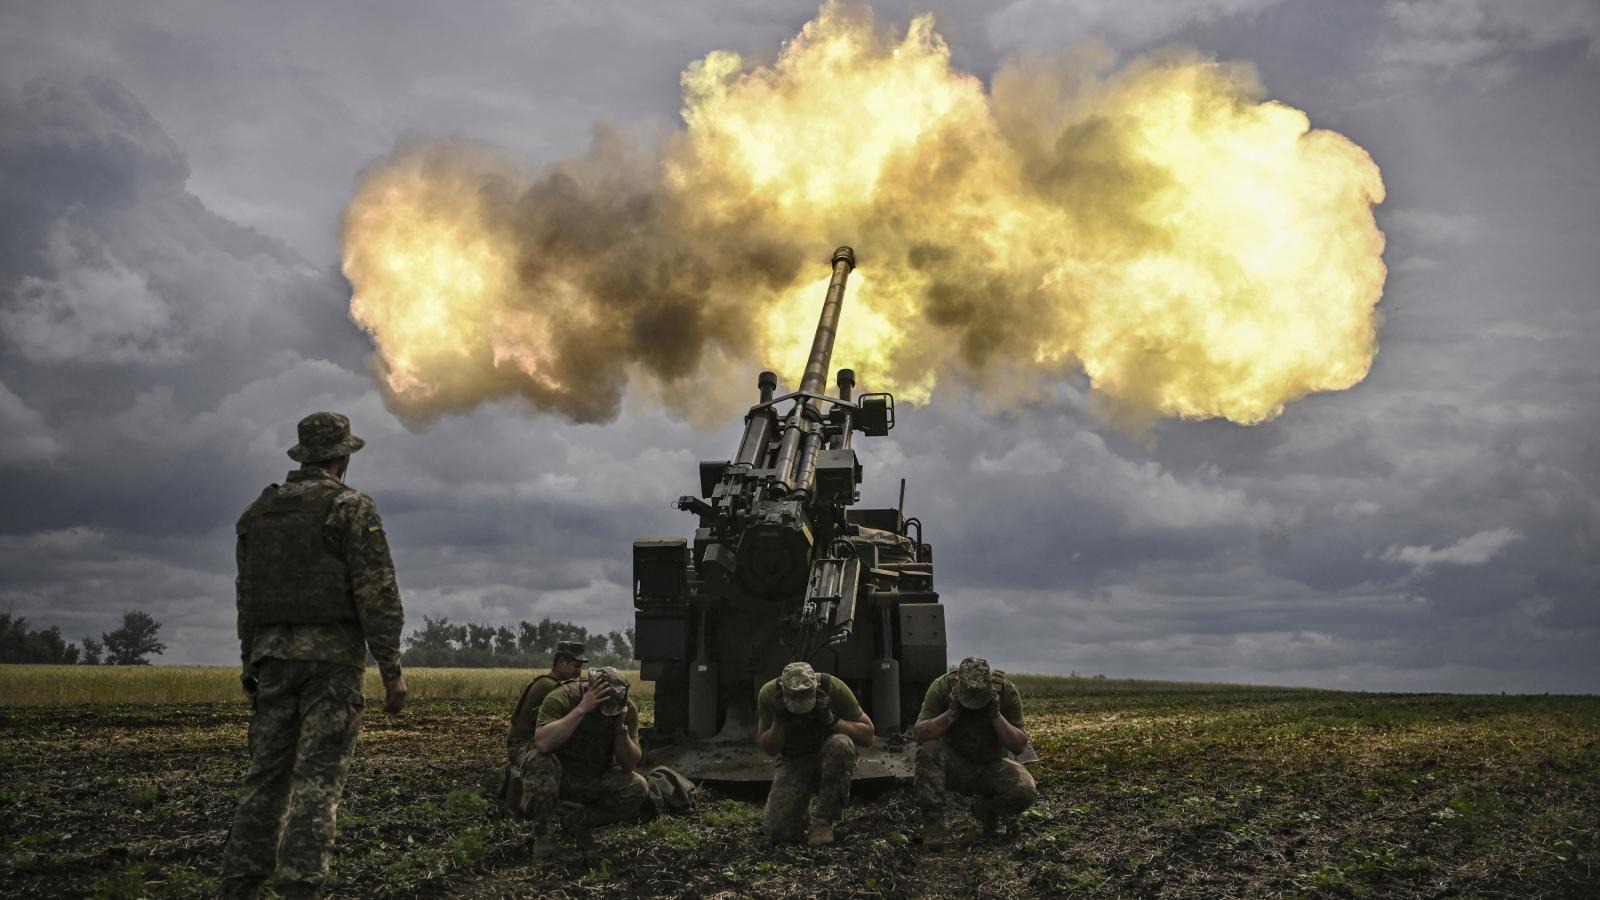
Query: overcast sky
(171,180)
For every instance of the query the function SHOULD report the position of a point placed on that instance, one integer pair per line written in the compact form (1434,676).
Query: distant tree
(135,640)
(596,645)
(527,638)
(18,644)
(433,635)
(91,651)
(480,637)
(50,647)
(13,638)
(505,642)
(621,644)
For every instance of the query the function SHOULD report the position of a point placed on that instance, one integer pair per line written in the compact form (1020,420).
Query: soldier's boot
(821,833)
(544,845)
(988,818)
(577,823)
(933,834)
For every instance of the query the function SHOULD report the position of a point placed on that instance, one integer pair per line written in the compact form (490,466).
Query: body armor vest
(803,735)
(287,575)
(588,753)
(525,718)
(970,736)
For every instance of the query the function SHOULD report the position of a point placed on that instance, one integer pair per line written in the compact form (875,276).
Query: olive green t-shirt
(803,732)
(589,752)
(971,736)
(770,699)
(526,716)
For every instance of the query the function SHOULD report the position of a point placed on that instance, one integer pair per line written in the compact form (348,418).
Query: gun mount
(782,569)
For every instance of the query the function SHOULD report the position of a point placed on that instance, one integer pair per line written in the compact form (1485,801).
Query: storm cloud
(170,305)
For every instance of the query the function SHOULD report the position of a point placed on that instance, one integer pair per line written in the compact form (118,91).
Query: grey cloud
(1472,550)
(1433,227)
(1057,23)
(25,437)
(1480,40)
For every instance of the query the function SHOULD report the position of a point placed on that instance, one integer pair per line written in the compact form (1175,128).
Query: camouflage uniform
(812,761)
(311,607)
(525,720)
(969,759)
(583,770)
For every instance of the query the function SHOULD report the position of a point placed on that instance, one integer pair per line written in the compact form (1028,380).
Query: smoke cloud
(1195,250)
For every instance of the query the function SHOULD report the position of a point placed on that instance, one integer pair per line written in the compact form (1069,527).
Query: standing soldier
(316,592)
(587,738)
(813,724)
(566,666)
(970,717)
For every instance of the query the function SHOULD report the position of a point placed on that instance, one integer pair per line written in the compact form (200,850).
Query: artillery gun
(782,569)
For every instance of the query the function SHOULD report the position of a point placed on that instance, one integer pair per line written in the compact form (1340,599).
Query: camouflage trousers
(1004,784)
(825,774)
(307,715)
(614,796)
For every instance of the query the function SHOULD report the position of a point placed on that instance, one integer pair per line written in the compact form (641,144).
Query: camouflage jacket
(354,533)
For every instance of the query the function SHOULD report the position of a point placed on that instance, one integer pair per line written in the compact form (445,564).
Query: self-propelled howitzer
(781,569)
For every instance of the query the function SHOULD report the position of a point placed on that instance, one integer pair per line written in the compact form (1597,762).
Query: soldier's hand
(995,684)
(955,707)
(595,694)
(825,715)
(394,692)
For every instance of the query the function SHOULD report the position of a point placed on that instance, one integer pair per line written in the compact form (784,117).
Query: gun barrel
(815,380)
(797,452)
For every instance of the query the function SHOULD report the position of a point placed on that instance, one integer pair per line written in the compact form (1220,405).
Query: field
(1147,789)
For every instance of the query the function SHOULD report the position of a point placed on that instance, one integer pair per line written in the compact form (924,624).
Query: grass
(74,685)
(1146,789)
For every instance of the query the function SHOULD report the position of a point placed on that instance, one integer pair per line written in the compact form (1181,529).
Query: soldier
(566,666)
(587,742)
(970,717)
(316,592)
(814,725)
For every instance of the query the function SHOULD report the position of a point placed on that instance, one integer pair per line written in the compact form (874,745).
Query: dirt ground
(1146,790)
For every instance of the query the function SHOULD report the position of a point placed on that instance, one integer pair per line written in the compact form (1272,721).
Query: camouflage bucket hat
(799,686)
(618,701)
(973,688)
(571,650)
(324,436)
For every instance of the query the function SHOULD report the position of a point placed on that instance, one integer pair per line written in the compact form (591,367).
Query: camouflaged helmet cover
(974,687)
(618,701)
(324,436)
(798,684)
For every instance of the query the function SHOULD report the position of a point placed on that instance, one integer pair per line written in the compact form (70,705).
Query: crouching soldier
(813,724)
(587,743)
(566,666)
(970,717)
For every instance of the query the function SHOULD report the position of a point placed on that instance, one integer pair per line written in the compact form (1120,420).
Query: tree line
(437,643)
(130,645)
(526,645)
